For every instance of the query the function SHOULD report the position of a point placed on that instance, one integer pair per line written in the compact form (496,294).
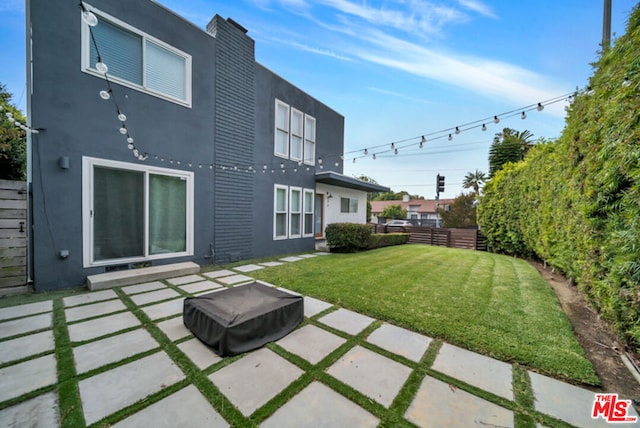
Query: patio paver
(347,321)
(163,310)
(201,355)
(478,370)
(26,346)
(320,406)
(314,306)
(25,325)
(568,402)
(94,309)
(98,327)
(248,268)
(373,375)
(185,408)
(437,404)
(89,298)
(400,341)
(311,343)
(291,259)
(197,287)
(271,264)
(154,296)
(115,348)
(255,379)
(18,379)
(143,288)
(108,392)
(218,273)
(37,412)
(234,279)
(174,328)
(28,309)
(181,280)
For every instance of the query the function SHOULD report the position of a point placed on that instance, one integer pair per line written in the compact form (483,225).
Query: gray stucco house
(161,142)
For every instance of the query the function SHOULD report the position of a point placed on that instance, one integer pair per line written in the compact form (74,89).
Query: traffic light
(439,183)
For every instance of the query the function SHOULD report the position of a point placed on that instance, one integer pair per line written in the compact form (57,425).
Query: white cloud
(399,95)
(479,7)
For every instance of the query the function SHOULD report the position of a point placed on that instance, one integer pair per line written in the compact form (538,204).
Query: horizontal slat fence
(13,237)
(470,239)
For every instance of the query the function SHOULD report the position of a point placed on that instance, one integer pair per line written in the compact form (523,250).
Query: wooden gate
(13,237)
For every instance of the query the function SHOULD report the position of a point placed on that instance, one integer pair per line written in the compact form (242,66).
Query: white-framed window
(309,140)
(136,59)
(348,205)
(297,134)
(295,212)
(308,213)
(281,147)
(133,213)
(281,211)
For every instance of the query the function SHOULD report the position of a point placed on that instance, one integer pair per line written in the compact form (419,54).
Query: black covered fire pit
(242,318)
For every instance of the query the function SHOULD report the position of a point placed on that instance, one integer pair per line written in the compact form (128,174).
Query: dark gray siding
(79,123)
(234,134)
(329,143)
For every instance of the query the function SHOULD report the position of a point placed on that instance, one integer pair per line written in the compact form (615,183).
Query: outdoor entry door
(318,216)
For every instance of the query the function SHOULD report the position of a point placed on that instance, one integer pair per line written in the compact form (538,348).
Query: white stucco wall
(332,212)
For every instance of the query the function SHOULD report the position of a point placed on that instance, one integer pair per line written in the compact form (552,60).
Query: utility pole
(606,26)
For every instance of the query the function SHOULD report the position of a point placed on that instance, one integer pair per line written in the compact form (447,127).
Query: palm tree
(474,180)
(508,146)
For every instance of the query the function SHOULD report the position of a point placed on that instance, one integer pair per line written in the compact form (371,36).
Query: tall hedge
(575,203)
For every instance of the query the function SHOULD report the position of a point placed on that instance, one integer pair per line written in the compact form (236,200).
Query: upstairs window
(309,140)
(137,60)
(295,134)
(282,129)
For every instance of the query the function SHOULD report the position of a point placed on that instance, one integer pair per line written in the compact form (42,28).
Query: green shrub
(379,240)
(347,237)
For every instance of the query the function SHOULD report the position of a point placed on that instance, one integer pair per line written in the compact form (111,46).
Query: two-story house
(161,142)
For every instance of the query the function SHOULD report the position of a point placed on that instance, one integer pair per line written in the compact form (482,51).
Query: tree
(474,180)
(13,143)
(508,146)
(394,212)
(370,195)
(461,213)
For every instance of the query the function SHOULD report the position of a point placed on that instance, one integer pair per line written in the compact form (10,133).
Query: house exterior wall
(228,126)
(332,212)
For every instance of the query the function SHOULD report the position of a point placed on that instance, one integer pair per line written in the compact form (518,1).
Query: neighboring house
(188,150)
(421,212)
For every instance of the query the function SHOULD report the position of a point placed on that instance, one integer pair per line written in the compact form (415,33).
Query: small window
(282,129)
(137,60)
(348,205)
(296,134)
(281,212)
(295,213)
(309,140)
(308,213)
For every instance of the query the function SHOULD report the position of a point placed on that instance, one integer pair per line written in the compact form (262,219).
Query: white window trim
(299,213)
(86,60)
(275,212)
(304,140)
(275,130)
(88,164)
(310,211)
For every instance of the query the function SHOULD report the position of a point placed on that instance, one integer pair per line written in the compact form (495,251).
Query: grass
(492,304)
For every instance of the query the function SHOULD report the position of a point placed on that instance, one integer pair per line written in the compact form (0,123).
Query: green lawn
(495,305)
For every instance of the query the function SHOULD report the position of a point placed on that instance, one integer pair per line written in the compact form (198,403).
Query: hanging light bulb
(320,161)
(450,137)
(123,130)
(457,130)
(130,140)
(89,18)
(264,167)
(523,116)
(421,145)
(393,146)
(136,153)
(281,165)
(374,156)
(423,140)
(484,127)
(496,119)
(626,82)
(366,152)
(122,117)
(337,163)
(9,115)
(105,95)
(354,160)
(590,91)
(540,107)
(395,151)
(130,146)
(102,67)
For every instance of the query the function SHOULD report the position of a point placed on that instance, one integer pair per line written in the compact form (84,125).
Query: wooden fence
(470,239)
(13,237)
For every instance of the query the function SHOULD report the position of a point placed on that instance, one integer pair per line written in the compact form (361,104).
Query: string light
(450,137)
(540,107)
(366,152)
(523,116)
(496,119)
(484,127)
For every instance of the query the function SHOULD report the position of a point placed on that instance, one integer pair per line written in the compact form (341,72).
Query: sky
(400,69)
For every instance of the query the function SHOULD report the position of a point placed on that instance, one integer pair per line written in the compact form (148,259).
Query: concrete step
(137,276)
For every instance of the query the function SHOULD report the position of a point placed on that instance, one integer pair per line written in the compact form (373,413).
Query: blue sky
(399,69)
